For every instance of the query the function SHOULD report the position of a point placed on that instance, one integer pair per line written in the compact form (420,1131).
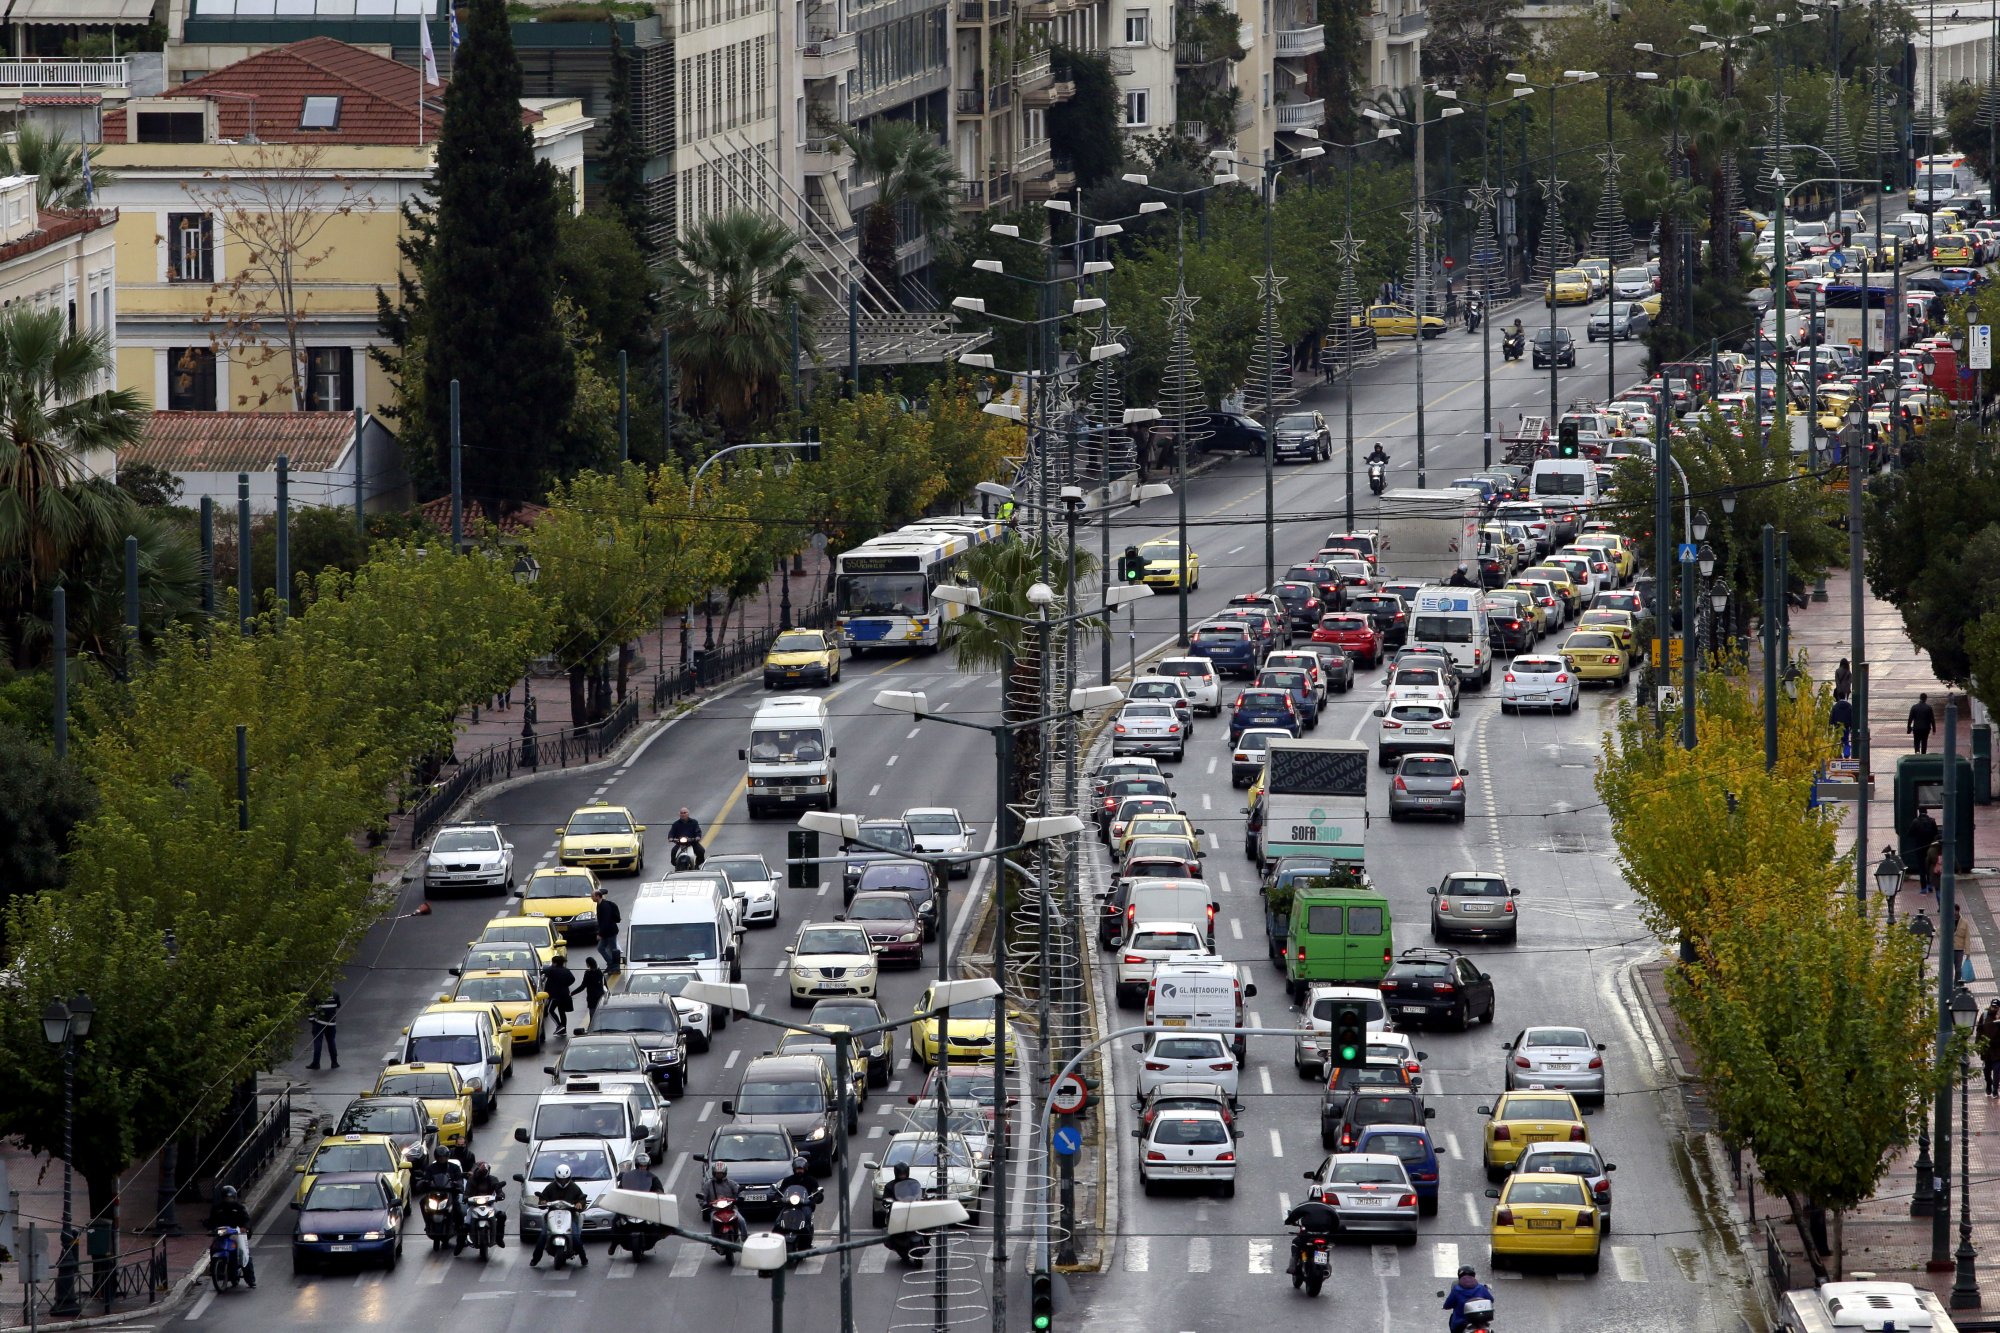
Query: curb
(1656,1022)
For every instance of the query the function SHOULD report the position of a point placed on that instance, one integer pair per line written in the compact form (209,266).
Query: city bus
(882,588)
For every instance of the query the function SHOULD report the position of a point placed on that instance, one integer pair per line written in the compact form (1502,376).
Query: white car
(1149,728)
(1315,1025)
(829,958)
(1370,1192)
(1632,284)
(1193,1145)
(1539,682)
(1165,690)
(1412,726)
(1603,575)
(1298,659)
(755,883)
(1557,1057)
(697,1019)
(1186,1057)
(1197,676)
(594,1164)
(1150,944)
(941,831)
(1388,1044)
(918,1150)
(470,856)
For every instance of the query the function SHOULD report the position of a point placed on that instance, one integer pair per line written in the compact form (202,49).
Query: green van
(1337,934)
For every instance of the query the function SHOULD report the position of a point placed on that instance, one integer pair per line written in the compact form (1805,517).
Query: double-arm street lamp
(1552,209)
(1348,309)
(65,1025)
(1681,291)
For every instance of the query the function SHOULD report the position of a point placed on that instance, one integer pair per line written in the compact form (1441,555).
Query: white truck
(1427,534)
(1315,801)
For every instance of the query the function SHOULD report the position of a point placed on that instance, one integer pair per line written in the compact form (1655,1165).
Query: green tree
(730,286)
(42,800)
(1471,43)
(624,178)
(490,289)
(405,327)
(57,165)
(601,266)
(150,485)
(913,174)
(169,587)
(1085,130)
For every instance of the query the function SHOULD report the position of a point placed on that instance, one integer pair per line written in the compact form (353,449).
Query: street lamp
(1889,878)
(1699,530)
(1965,1284)
(1924,1199)
(527,570)
(1552,211)
(65,1025)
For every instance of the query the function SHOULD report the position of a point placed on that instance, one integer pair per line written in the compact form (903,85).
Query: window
(320,113)
(169,127)
(190,256)
(1136,25)
(329,379)
(1137,110)
(191,379)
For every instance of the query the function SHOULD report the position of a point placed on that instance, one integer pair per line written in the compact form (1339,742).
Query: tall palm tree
(57,165)
(729,289)
(169,588)
(914,172)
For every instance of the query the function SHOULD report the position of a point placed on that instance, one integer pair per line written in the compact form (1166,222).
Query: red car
(1355,633)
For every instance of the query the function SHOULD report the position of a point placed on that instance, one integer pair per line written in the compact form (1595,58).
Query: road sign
(1068,1094)
(1979,346)
(1669,696)
(1067,1140)
(1675,651)
(1687,553)
(1450,263)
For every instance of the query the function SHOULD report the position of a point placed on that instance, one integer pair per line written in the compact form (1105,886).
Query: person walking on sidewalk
(591,987)
(1841,718)
(1986,1037)
(560,983)
(1961,940)
(608,919)
(1843,680)
(1923,836)
(1922,723)
(325,1023)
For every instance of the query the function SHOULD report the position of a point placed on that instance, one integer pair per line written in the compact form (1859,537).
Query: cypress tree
(491,285)
(624,173)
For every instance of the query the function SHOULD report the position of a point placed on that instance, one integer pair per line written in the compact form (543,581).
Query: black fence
(265,1140)
(105,1277)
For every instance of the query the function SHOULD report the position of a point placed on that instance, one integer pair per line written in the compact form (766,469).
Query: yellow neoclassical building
(258,211)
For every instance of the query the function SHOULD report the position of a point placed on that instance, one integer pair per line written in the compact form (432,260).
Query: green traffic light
(1348,1054)
(1041,1321)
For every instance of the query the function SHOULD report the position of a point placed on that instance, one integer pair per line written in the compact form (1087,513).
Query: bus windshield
(882,594)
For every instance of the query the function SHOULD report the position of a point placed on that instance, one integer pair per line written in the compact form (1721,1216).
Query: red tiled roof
(438,514)
(52,225)
(242,441)
(60,99)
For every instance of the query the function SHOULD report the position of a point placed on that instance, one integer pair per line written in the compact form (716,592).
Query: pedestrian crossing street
(1257,1255)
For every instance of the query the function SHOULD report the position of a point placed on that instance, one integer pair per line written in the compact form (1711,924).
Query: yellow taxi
(1952,250)
(1558,578)
(1163,565)
(1617,623)
(514,994)
(1751,218)
(1623,560)
(1155,826)
(1532,610)
(1546,612)
(1396,321)
(444,1095)
(1521,1118)
(534,931)
(1569,286)
(969,1038)
(1596,654)
(1651,303)
(602,837)
(358,1152)
(1545,1215)
(561,896)
(802,657)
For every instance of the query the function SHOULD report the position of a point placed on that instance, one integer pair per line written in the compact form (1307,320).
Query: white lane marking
(1236,927)
(878,787)
(730,1063)
(201,1306)
(1631,1265)
(613,1272)
(1234,549)
(1198,1257)
(1260,1256)
(1451,1139)
(1207,806)
(913,735)
(680,1160)
(1386,1261)
(1264,1075)
(1215,846)
(1472,1213)
(875,1258)
(1444,1259)
(890,762)
(1277,1144)
(432,1274)
(1226,888)
(862,1180)
(1211,770)
(707,1110)
(875,1131)
(1284,1203)
(815,1264)
(1138,1254)
(688,1262)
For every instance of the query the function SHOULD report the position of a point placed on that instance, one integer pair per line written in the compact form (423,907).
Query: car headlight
(476,1084)
(310,1236)
(801,970)
(819,1133)
(453,1117)
(909,937)
(371,1235)
(864,968)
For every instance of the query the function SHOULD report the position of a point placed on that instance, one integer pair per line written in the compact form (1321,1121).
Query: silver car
(1428,784)
(1149,728)
(1369,1192)
(1573,1159)
(1478,903)
(1557,1057)
(1625,319)
(941,831)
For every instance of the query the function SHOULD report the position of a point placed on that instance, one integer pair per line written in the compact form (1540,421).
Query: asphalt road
(1579,934)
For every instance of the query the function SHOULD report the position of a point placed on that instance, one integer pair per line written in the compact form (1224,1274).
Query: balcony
(61,72)
(1036,79)
(1302,115)
(822,155)
(971,102)
(829,55)
(997,191)
(984,11)
(1408,27)
(1122,63)
(1048,186)
(1044,11)
(1294,43)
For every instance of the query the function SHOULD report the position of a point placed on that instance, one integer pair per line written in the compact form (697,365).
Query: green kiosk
(1920,783)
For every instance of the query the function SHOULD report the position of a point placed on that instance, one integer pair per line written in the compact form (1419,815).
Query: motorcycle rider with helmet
(1313,1218)
(228,1211)
(1467,1288)
(483,1181)
(801,1178)
(562,1190)
(638,1177)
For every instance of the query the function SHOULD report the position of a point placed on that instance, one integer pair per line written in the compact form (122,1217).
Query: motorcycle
(225,1258)
(559,1226)
(1472,317)
(795,1219)
(910,1246)
(685,855)
(1315,1261)
(1378,477)
(1513,345)
(1478,1313)
(440,1221)
(635,1235)
(725,1223)
(482,1223)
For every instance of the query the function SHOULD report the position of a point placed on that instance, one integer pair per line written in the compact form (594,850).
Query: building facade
(52,260)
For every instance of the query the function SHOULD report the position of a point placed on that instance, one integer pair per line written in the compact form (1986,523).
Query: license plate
(1544,1224)
(1367,1202)
(1409,1009)
(1556,1066)
(1173,1022)
(341,1249)
(1191,1170)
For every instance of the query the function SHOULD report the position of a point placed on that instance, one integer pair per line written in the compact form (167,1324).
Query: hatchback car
(1147,946)
(1552,345)
(1539,682)
(1261,708)
(1230,647)
(1475,903)
(757,1155)
(1410,727)
(1197,676)
(1340,1131)
(1557,1057)
(1413,1146)
(941,831)
(1301,601)
(1113,793)
(1149,728)
(1164,690)
(892,925)
(1163,565)
(1336,665)
(1618,624)
(1625,319)
(1521,1118)
(1428,784)
(1354,634)
(918,1150)
(755,885)
(1181,1057)
(1437,986)
(1246,757)
(355,1215)
(1192,1145)
(1545,1215)
(1595,655)
(1386,611)
(1295,682)
(1371,1193)
(1131,808)
(1509,626)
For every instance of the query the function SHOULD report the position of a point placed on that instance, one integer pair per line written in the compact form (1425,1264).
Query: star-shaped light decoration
(1180,306)
(1269,287)
(1420,217)
(1552,187)
(1483,198)
(1108,333)
(1347,249)
(1610,160)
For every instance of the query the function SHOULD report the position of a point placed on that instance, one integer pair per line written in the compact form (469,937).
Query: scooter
(440,1224)
(635,1235)
(1314,1265)
(685,855)
(225,1258)
(1476,1313)
(725,1223)
(1513,345)
(482,1223)
(1472,317)
(559,1222)
(909,1246)
(795,1219)
(1378,477)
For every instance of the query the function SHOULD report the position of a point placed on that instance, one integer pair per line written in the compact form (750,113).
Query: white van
(466,1038)
(1568,480)
(791,757)
(682,924)
(1836,1306)
(1151,900)
(1453,621)
(1199,993)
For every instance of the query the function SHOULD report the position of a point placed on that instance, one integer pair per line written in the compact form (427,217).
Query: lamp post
(65,1025)
(1924,1199)
(1552,211)
(1705,560)
(1965,1282)
(1889,878)
(1682,292)
(1622,237)
(527,569)
(1347,309)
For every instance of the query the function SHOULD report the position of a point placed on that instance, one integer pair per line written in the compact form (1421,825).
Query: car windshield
(559,886)
(1160,939)
(1555,335)
(1409,1147)
(1634,275)
(1262,699)
(1157,689)
(1565,1162)
(654,982)
(1221,633)
(1192,1130)
(334,1158)
(904,875)
(497,990)
(1537,666)
(580,1120)
(789,1098)
(1444,629)
(1531,1190)
(1538,1108)
(787,745)
(1284,680)
(583,1164)
(934,826)
(798,642)
(467,840)
(599,821)
(1567,1037)
(1143,848)
(1416,713)
(891,908)
(1589,641)
(924,1152)
(896,835)
(508,959)
(445,1049)
(1160,551)
(1376,1109)
(741,869)
(602,1057)
(693,941)
(1147,710)
(832,940)
(1185,667)
(1302,422)
(971,1011)
(361,1117)
(344,1196)
(1477,887)
(1188,1048)
(1365,1173)
(440,1083)
(1344,624)
(537,935)
(635,1018)
(749,1147)
(1426,766)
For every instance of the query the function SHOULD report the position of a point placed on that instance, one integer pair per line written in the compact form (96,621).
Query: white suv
(1538,682)
(1197,676)
(1315,1026)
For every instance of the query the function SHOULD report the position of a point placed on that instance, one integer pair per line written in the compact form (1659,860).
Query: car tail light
(1602,1189)
(1407,1201)
(1441,726)
(1612,660)
(1131,914)
(1211,914)
(1596,1062)
(1347,1138)
(1134,958)
(1586,1218)
(1390,724)
(1444,905)
(1301,956)
(1225,1157)
(1444,988)
(1401,785)
(1156,1157)
(1576,1134)
(1502,1217)
(1458,784)
(1562,678)
(1423,1175)
(1508,907)
(1508,677)
(1502,1134)
(1224,1067)
(1156,1066)
(1173,727)
(1120,727)
(1520,1062)
(1385,958)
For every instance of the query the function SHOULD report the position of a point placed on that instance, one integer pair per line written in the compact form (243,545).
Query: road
(1580,933)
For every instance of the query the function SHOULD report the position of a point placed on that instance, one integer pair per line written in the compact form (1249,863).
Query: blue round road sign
(1068,1139)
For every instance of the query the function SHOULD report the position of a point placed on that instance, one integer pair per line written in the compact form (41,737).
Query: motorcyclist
(638,1177)
(1460,579)
(687,826)
(446,1175)
(1312,1218)
(228,1211)
(801,1178)
(1378,455)
(561,1190)
(1467,1288)
(718,1185)
(483,1181)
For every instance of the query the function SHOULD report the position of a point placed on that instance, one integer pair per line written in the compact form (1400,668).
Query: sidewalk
(1881,1236)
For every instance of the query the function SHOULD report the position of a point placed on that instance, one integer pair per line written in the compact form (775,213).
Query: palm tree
(729,289)
(57,165)
(913,171)
(169,588)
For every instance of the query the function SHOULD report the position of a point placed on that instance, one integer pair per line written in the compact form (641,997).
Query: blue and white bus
(882,588)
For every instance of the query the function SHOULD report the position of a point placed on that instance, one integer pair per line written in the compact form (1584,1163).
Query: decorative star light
(1483,198)
(1610,160)
(1268,287)
(1180,306)
(1552,187)
(1347,249)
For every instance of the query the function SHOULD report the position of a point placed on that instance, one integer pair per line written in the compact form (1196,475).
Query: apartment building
(1393,32)
(61,260)
(1005,81)
(1231,74)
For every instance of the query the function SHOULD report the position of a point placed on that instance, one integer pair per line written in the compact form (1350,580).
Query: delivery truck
(1427,534)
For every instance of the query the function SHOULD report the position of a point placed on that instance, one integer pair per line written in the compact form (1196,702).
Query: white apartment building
(62,261)
(728,68)
(1394,33)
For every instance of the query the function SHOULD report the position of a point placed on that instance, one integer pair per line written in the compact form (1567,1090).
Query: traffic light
(1131,565)
(1350,1035)
(801,865)
(809,449)
(1041,1301)
(1566,445)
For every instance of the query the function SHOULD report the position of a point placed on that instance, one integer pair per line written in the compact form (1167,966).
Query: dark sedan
(1233,432)
(894,931)
(1301,601)
(1553,344)
(758,1156)
(1507,630)
(1231,648)
(1262,708)
(347,1215)
(1385,611)
(1336,665)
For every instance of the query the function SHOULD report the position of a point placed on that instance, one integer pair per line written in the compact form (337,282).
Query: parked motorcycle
(225,1258)
(725,1223)
(482,1223)
(795,1218)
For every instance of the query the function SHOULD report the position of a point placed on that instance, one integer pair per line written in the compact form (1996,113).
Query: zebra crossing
(1261,1256)
(683,1260)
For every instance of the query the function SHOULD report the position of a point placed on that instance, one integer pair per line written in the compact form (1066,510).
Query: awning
(81,11)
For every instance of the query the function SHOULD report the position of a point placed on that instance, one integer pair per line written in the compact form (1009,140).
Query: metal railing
(1034,69)
(64,72)
(984,11)
(128,1276)
(503,759)
(1305,114)
(1411,23)
(270,1134)
(1302,41)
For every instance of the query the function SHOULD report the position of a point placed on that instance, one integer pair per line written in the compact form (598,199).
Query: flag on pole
(431,79)
(454,32)
(89,185)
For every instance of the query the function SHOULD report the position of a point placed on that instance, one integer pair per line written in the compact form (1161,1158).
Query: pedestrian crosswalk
(677,1260)
(1263,1255)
